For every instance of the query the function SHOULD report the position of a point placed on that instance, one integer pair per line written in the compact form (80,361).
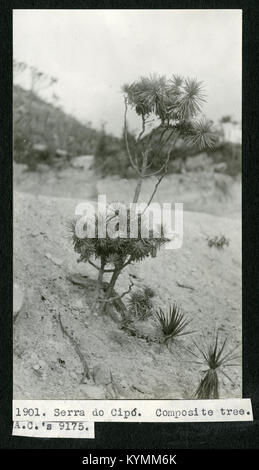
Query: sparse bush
(140,304)
(218,241)
(173,322)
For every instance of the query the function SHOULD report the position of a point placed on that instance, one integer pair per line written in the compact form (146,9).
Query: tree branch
(94,265)
(156,172)
(143,128)
(99,268)
(86,371)
(127,262)
(142,175)
(158,182)
(111,299)
(134,166)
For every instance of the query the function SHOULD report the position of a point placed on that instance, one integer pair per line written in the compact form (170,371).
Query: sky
(93,53)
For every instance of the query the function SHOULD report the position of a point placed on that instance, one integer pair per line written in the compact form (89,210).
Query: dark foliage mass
(111,157)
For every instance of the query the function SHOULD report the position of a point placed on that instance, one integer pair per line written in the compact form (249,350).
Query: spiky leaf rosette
(147,95)
(85,247)
(173,322)
(177,103)
(201,135)
(214,356)
(116,250)
(176,98)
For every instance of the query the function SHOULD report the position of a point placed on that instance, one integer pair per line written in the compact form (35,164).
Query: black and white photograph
(127,159)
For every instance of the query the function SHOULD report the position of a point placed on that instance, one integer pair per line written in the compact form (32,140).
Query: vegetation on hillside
(42,131)
(111,155)
(39,122)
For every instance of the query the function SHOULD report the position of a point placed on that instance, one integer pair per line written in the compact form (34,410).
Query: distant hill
(39,122)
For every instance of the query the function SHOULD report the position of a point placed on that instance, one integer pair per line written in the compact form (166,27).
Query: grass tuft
(172,322)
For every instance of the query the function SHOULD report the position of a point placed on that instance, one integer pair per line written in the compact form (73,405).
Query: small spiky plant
(218,242)
(140,304)
(214,357)
(208,386)
(172,322)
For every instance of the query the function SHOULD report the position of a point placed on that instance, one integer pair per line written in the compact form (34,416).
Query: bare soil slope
(204,281)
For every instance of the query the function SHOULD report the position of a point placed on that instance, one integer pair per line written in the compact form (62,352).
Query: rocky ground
(51,286)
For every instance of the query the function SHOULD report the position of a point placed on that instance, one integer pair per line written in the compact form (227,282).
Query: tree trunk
(109,293)
(137,190)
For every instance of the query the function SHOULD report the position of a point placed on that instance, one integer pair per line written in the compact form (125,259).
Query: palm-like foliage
(201,135)
(172,322)
(147,95)
(177,98)
(115,251)
(190,99)
(176,102)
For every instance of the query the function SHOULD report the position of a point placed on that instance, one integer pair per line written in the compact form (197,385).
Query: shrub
(218,241)
(140,304)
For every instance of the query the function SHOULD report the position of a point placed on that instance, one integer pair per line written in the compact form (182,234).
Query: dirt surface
(212,193)
(204,191)
(204,281)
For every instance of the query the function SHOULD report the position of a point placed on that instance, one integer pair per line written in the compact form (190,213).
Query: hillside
(50,285)
(39,122)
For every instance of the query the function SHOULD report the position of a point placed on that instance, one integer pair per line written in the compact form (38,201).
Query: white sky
(94,52)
